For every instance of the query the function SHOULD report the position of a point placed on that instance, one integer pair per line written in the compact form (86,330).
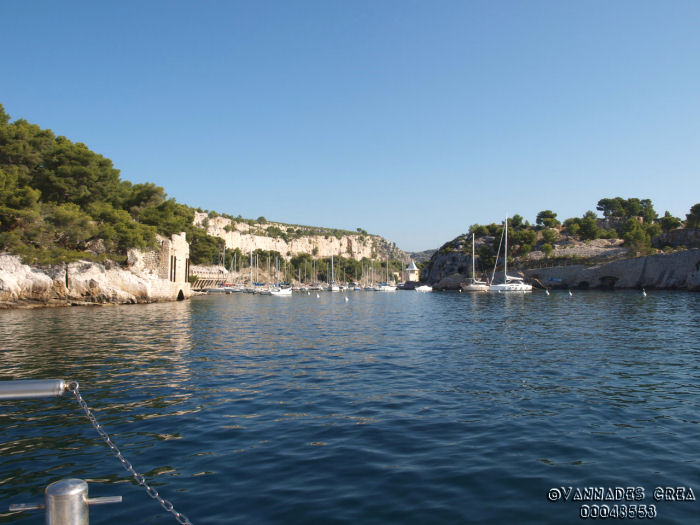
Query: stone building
(411,273)
(175,259)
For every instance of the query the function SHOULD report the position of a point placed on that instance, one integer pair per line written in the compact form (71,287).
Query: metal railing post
(67,502)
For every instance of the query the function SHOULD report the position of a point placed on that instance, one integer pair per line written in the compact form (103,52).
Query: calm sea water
(389,408)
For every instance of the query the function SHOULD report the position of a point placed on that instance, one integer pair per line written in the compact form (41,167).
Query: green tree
(19,205)
(24,146)
(692,219)
(168,217)
(72,173)
(547,219)
(573,225)
(478,230)
(203,247)
(669,222)
(636,236)
(550,235)
(71,225)
(547,249)
(516,222)
(588,226)
(612,207)
(142,196)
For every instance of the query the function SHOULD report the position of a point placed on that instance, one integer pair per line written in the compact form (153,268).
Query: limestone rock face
(284,239)
(451,282)
(82,282)
(443,268)
(688,237)
(674,271)
(18,281)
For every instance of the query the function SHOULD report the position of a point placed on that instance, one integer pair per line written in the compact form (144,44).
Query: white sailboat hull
(475,287)
(510,287)
(281,291)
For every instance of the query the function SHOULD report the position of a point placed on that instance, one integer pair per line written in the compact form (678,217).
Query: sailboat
(385,286)
(332,286)
(473,284)
(277,290)
(510,283)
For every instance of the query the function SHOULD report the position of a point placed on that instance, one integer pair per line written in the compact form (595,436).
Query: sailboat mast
(505,255)
(473,276)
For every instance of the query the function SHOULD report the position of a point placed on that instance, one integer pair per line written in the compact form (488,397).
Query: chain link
(139,478)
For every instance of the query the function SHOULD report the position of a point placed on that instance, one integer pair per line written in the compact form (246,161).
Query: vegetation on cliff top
(632,220)
(60,201)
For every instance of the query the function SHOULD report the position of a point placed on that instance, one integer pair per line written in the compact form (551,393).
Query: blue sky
(409,119)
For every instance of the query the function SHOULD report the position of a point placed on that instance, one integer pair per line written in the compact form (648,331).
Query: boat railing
(66,501)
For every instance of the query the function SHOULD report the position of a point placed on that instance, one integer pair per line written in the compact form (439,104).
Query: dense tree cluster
(58,199)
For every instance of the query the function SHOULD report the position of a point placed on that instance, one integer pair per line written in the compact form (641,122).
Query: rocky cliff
(291,240)
(83,283)
(671,271)
(573,263)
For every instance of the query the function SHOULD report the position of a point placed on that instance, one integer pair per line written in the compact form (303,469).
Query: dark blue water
(390,408)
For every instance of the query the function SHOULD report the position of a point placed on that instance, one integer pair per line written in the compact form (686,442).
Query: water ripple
(390,408)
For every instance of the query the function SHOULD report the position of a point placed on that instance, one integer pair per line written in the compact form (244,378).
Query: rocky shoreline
(82,283)
(666,271)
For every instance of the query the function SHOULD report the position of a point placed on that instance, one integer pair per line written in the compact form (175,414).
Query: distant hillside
(421,257)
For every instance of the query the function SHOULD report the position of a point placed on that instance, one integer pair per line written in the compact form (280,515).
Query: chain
(140,479)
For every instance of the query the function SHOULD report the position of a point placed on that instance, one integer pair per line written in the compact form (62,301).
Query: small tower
(411,273)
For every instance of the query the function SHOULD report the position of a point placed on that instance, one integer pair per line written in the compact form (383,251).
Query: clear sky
(409,119)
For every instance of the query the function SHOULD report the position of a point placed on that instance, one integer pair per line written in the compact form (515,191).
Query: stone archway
(180,296)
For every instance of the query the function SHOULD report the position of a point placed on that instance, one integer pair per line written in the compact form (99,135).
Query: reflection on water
(388,408)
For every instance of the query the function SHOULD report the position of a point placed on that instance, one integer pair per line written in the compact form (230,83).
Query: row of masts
(310,272)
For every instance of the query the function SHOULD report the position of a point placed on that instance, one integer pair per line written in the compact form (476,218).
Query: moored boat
(473,284)
(510,283)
